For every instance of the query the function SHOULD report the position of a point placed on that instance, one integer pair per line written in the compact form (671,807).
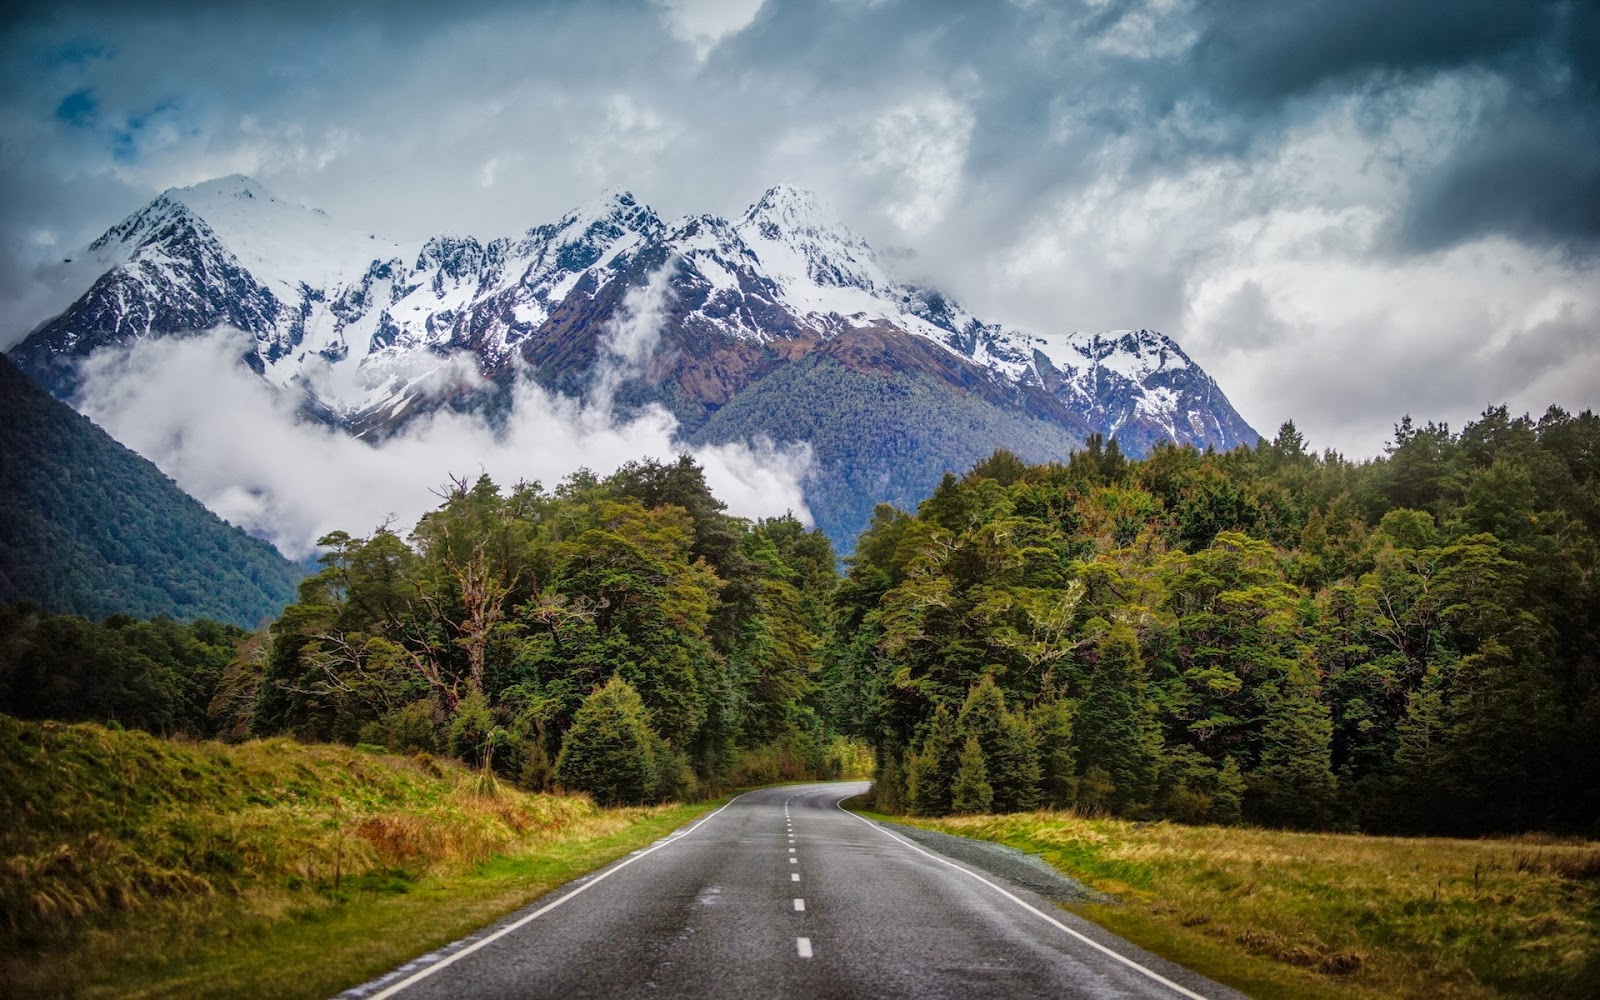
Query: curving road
(781,893)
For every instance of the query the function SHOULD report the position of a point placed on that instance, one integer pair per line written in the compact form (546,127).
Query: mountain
(781,323)
(93,529)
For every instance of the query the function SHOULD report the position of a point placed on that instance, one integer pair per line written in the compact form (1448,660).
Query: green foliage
(90,528)
(1268,635)
(608,751)
(1115,733)
(507,609)
(971,792)
(155,675)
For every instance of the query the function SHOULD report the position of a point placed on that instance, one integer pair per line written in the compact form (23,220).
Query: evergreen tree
(931,769)
(1058,773)
(1295,780)
(1227,801)
(607,751)
(971,792)
(1115,733)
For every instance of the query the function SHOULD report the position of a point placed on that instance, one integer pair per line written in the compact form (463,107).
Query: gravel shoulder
(1027,870)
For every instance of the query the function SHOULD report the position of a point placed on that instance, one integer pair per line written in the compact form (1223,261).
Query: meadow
(1320,915)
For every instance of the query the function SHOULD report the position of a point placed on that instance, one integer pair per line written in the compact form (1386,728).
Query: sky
(1346,212)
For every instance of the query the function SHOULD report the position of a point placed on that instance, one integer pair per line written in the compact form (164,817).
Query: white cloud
(704,23)
(922,147)
(231,441)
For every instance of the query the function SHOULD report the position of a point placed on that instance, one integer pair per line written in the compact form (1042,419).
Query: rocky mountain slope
(780,323)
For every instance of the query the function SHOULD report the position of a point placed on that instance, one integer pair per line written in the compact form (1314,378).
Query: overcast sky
(1345,211)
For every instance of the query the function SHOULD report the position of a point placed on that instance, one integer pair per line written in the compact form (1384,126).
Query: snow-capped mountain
(759,309)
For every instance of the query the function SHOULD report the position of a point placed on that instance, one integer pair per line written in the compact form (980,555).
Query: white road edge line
(1047,918)
(448,960)
(803,946)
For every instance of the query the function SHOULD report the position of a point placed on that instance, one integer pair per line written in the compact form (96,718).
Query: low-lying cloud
(244,451)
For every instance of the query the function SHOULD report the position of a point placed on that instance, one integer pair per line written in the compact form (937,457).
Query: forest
(91,528)
(1268,635)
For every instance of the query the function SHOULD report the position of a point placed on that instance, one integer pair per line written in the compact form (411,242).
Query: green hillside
(93,529)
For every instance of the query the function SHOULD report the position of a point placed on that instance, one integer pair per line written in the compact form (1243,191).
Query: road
(782,893)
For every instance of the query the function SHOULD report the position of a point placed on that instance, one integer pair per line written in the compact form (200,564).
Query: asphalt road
(781,893)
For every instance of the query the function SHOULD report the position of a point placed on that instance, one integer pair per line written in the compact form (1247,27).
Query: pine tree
(930,771)
(1007,743)
(1227,802)
(1295,777)
(1016,760)
(971,791)
(1058,776)
(1115,734)
(607,751)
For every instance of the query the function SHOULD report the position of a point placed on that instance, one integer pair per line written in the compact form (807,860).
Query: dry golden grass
(1284,914)
(132,865)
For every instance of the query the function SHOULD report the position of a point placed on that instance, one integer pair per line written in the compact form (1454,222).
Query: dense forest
(158,675)
(1267,635)
(93,529)
(622,636)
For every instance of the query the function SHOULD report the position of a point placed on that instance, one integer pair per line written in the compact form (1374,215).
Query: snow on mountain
(363,325)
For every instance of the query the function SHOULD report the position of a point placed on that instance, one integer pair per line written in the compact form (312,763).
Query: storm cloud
(1346,212)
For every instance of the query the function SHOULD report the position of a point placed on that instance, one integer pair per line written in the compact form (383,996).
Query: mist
(241,448)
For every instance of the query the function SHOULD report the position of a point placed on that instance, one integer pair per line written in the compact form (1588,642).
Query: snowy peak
(805,249)
(1134,354)
(791,209)
(220,190)
(358,322)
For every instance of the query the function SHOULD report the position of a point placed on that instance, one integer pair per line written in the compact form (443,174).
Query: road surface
(782,893)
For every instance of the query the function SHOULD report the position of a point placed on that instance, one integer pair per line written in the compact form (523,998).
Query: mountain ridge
(364,329)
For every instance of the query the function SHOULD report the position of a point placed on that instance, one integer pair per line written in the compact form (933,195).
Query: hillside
(138,866)
(92,528)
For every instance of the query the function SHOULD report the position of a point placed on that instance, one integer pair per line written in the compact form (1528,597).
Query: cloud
(1056,165)
(630,338)
(241,448)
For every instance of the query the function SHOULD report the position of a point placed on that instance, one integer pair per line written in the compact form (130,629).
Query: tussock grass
(132,865)
(1278,913)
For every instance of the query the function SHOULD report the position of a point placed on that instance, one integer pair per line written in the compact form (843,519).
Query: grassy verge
(1302,915)
(133,866)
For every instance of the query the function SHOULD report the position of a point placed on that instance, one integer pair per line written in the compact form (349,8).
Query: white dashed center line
(799,906)
(803,946)
(791,850)
(795,877)
(794,861)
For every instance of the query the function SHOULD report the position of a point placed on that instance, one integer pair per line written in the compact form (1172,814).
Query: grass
(135,866)
(1307,915)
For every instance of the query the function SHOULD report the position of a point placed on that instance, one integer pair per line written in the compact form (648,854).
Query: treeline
(157,675)
(622,636)
(1269,635)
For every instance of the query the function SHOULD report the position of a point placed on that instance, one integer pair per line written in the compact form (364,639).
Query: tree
(1115,733)
(1058,773)
(971,792)
(607,751)
(1295,780)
